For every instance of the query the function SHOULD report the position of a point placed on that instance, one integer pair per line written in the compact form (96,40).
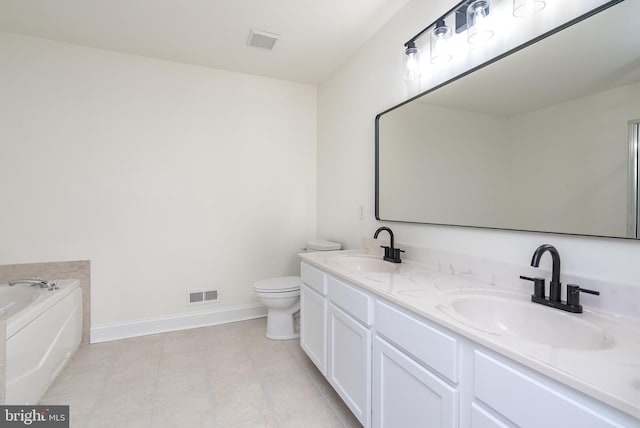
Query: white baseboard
(123,330)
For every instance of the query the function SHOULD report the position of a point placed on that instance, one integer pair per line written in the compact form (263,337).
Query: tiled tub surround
(427,282)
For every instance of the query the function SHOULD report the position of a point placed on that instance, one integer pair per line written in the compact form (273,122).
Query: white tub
(44,328)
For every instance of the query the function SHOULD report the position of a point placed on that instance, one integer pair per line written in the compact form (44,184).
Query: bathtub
(44,329)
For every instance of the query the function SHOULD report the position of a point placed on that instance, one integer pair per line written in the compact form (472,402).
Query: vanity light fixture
(522,8)
(411,61)
(478,24)
(470,15)
(440,43)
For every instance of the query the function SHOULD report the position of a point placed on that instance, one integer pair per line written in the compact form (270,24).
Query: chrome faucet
(51,285)
(391,254)
(572,304)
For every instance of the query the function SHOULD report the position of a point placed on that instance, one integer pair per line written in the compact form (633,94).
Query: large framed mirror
(543,139)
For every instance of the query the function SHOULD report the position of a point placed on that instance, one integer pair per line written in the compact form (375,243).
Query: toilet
(281,296)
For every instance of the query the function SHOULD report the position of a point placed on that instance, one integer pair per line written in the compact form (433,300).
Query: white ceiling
(316,36)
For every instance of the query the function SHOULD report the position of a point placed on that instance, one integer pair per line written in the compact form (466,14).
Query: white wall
(348,103)
(168,177)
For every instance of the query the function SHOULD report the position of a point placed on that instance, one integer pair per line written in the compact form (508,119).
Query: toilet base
(282,325)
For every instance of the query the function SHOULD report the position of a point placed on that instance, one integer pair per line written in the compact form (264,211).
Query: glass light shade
(440,44)
(478,23)
(527,7)
(411,63)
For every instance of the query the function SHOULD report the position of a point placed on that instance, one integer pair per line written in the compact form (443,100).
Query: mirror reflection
(542,140)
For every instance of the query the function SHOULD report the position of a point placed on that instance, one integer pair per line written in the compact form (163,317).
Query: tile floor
(221,376)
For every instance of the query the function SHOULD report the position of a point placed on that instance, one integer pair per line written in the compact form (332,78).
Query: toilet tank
(321,245)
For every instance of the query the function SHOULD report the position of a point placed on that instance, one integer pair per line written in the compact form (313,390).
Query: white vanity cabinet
(506,394)
(415,371)
(335,321)
(350,315)
(313,315)
(395,369)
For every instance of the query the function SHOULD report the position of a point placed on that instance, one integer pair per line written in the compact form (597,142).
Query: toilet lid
(275,285)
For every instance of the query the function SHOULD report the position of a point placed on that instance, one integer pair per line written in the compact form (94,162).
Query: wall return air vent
(199,297)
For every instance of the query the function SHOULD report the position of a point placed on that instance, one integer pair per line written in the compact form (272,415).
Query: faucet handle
(538,285)
(573,294)
(392,254)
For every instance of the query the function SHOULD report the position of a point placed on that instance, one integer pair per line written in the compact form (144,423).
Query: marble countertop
(611,374)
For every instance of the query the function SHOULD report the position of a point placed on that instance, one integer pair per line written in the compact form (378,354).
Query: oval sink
(528,321)
(363,264)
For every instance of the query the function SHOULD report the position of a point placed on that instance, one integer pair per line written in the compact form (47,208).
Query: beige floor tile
(168,394)
(240,403)
(143,341)
(187,358)
(224,376)
(319,381)
(314,414)
(342,409)
(80,406)
(265,421)
(135,387)
(139,370)
(188,345)
(232,352)
(125,403)
(288,392)
(169,377)
(223,336)
(80,382)
(86,359)
(229,372)
(284,366)
(184,410)
(138,418)
(138,355)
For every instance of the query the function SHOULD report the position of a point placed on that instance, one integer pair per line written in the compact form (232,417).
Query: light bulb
(478,23)
(523,8)
(411,62)
(440,43)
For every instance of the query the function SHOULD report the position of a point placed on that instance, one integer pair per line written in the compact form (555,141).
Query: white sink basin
(363,264)
(529,321)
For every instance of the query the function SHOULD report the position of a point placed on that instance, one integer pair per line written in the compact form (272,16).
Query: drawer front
(481,418)
(314,278)
(351,300)
(427,344)
(530,400)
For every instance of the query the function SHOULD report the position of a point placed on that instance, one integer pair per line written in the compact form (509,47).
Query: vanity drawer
(427,344)
(347,297)
(532,400)
(314,278)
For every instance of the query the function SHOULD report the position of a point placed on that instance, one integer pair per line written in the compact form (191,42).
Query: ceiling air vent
(262,39)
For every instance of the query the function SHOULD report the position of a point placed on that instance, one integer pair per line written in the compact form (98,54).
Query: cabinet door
(349,365)
(313,327)
(405,394)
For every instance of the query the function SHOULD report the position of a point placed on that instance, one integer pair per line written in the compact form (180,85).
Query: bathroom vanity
(415,344)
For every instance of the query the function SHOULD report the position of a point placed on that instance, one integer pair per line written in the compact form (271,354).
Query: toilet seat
(278,285)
